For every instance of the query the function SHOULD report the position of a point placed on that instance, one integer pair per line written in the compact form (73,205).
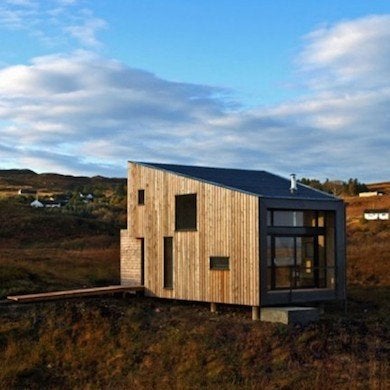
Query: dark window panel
(168,262)
(185,212)
(141,196)
(219,263)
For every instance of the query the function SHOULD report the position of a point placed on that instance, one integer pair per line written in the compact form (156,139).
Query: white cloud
(82,101)
(19,15)
(83,113)
(86,32)
(349,53)
(53,23)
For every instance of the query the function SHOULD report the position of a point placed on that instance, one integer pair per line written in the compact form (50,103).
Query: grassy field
(368,249)
(43,250)
(149,343)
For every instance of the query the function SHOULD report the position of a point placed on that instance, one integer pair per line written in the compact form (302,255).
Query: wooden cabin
(231,236)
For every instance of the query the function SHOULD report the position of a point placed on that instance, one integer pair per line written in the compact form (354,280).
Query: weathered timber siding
(227,226)
(130,260)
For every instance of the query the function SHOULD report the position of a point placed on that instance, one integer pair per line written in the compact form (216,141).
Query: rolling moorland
(137,342)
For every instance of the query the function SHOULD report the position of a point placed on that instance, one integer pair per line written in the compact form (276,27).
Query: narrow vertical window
(141,196)
(168,262)
(142,242)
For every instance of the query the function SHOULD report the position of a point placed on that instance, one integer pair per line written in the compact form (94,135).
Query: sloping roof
(259,183)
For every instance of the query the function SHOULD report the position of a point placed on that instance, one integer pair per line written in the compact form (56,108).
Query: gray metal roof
(259,183)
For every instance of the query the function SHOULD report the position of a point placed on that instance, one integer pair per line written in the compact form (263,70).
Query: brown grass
(149,343)
(35,270)
(368,249)
(43,250)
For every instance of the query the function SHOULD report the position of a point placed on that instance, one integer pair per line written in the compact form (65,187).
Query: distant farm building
(370,193)
(86,198)
(231,236)
(52,204)
(374,215)
(37,204)
(48,203)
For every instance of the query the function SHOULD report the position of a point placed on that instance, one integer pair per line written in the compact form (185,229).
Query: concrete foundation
(290,315)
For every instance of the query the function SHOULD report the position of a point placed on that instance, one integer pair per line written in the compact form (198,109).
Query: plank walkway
(75,293)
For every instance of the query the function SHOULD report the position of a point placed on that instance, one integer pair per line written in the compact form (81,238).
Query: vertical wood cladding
(227,226)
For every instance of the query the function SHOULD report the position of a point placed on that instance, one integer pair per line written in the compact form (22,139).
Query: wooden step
(290,315)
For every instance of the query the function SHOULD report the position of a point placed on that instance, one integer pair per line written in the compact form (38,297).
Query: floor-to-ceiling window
(300,249)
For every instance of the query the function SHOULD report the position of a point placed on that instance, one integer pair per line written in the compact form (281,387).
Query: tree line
(336,187)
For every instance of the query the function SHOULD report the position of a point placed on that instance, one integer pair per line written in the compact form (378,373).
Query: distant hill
(26,225)
(382,187)
(14,179)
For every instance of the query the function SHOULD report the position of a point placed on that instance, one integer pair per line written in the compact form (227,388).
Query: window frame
(168,263)
(141,197)
(180,225)
(294,231)
(220,267)
(337,255)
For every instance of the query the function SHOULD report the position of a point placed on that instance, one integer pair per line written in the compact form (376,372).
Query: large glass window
(283,260)
(294,218)
(300,249)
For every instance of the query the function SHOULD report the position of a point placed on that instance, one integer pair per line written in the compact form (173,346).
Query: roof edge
(331,198)
(150,165)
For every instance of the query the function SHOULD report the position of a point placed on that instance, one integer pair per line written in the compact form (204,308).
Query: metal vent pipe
(293,186)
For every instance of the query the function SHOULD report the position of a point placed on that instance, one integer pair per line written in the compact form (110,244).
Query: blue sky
(286,86)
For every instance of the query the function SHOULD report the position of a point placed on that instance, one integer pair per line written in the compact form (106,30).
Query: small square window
(219,263)
(141,196)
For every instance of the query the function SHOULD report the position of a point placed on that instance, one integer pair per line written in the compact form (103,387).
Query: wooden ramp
(84,292)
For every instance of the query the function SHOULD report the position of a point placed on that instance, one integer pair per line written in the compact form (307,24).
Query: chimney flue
(293,186)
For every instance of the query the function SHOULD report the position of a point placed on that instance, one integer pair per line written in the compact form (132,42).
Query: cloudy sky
(286,86)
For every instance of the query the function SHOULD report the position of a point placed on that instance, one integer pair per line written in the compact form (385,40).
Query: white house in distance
(36,203)
(370,193)
(374,215)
